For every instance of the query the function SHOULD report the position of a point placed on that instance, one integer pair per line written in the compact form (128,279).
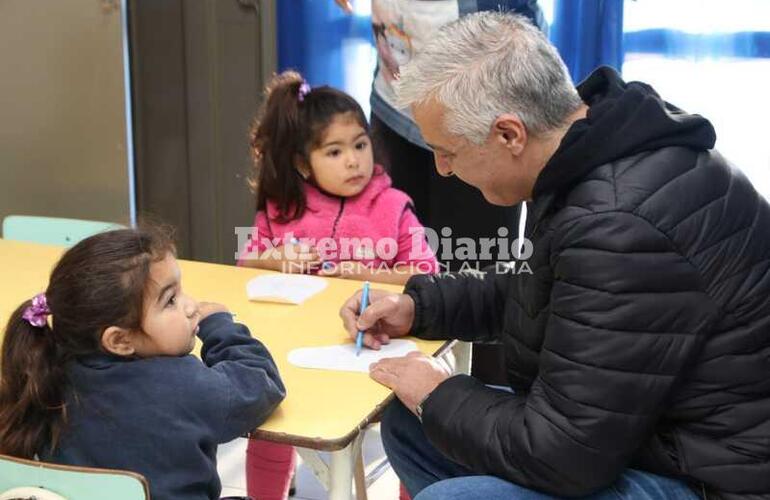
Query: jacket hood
(623,119)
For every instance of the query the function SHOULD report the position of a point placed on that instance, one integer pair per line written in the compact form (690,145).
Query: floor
(231,458)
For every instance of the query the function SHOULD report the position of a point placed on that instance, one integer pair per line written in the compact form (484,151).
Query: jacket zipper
(337,219)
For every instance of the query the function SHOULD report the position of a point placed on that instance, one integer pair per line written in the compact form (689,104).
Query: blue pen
(364,304)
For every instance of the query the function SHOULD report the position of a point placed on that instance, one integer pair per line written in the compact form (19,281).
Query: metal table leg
(337,477)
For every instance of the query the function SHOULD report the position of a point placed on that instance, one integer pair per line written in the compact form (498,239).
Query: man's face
(489,167)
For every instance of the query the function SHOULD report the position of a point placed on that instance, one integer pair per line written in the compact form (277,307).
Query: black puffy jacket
(642,337)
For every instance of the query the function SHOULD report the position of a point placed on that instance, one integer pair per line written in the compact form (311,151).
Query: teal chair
(52,230)
(29,479)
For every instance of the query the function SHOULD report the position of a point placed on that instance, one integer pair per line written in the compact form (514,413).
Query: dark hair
(284,133)
(100,282)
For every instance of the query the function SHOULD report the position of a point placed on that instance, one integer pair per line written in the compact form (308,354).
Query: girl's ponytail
(278,138)
(32,382)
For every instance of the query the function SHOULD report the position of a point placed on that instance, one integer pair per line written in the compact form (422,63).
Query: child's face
(171,318)
(342,165)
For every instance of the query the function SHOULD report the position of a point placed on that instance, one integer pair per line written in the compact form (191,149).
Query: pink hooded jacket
(376,227)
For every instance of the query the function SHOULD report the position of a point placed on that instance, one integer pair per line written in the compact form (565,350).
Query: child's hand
(354,270)
(206,309)
(344,269)
(298,258)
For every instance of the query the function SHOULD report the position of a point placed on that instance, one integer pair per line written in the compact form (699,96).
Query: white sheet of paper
(343,357)
(284,288)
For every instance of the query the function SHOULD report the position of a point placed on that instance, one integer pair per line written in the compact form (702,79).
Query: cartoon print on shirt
(394,46)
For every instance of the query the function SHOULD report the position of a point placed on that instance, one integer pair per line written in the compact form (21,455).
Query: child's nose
(191,308)
(350,160)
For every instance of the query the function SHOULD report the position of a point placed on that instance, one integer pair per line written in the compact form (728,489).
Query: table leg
(337,477)
(359,476)
(313,460)
(462,352)
(341,470)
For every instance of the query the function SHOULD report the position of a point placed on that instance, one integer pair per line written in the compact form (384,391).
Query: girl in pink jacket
(323,207)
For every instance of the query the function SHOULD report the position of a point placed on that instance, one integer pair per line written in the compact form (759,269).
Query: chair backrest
(52,230)
(71,483)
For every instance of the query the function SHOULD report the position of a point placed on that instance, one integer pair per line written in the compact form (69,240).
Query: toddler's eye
(362,145)
(171,301)
(333,153)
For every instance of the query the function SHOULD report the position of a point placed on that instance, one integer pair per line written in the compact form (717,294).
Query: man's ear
(119,341)
(509,131)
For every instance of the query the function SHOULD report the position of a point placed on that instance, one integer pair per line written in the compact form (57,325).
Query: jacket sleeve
(244,371)
(466,306)
(627,314)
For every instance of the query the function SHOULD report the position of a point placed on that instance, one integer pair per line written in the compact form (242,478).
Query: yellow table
(323,410)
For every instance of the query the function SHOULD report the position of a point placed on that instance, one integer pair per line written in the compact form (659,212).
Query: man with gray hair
(637,350)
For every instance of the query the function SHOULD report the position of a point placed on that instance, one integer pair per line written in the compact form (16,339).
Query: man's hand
(345,5)
(411,377)
(389,315)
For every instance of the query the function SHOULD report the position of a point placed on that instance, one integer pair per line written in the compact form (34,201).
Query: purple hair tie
(304,90)
(37,313)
